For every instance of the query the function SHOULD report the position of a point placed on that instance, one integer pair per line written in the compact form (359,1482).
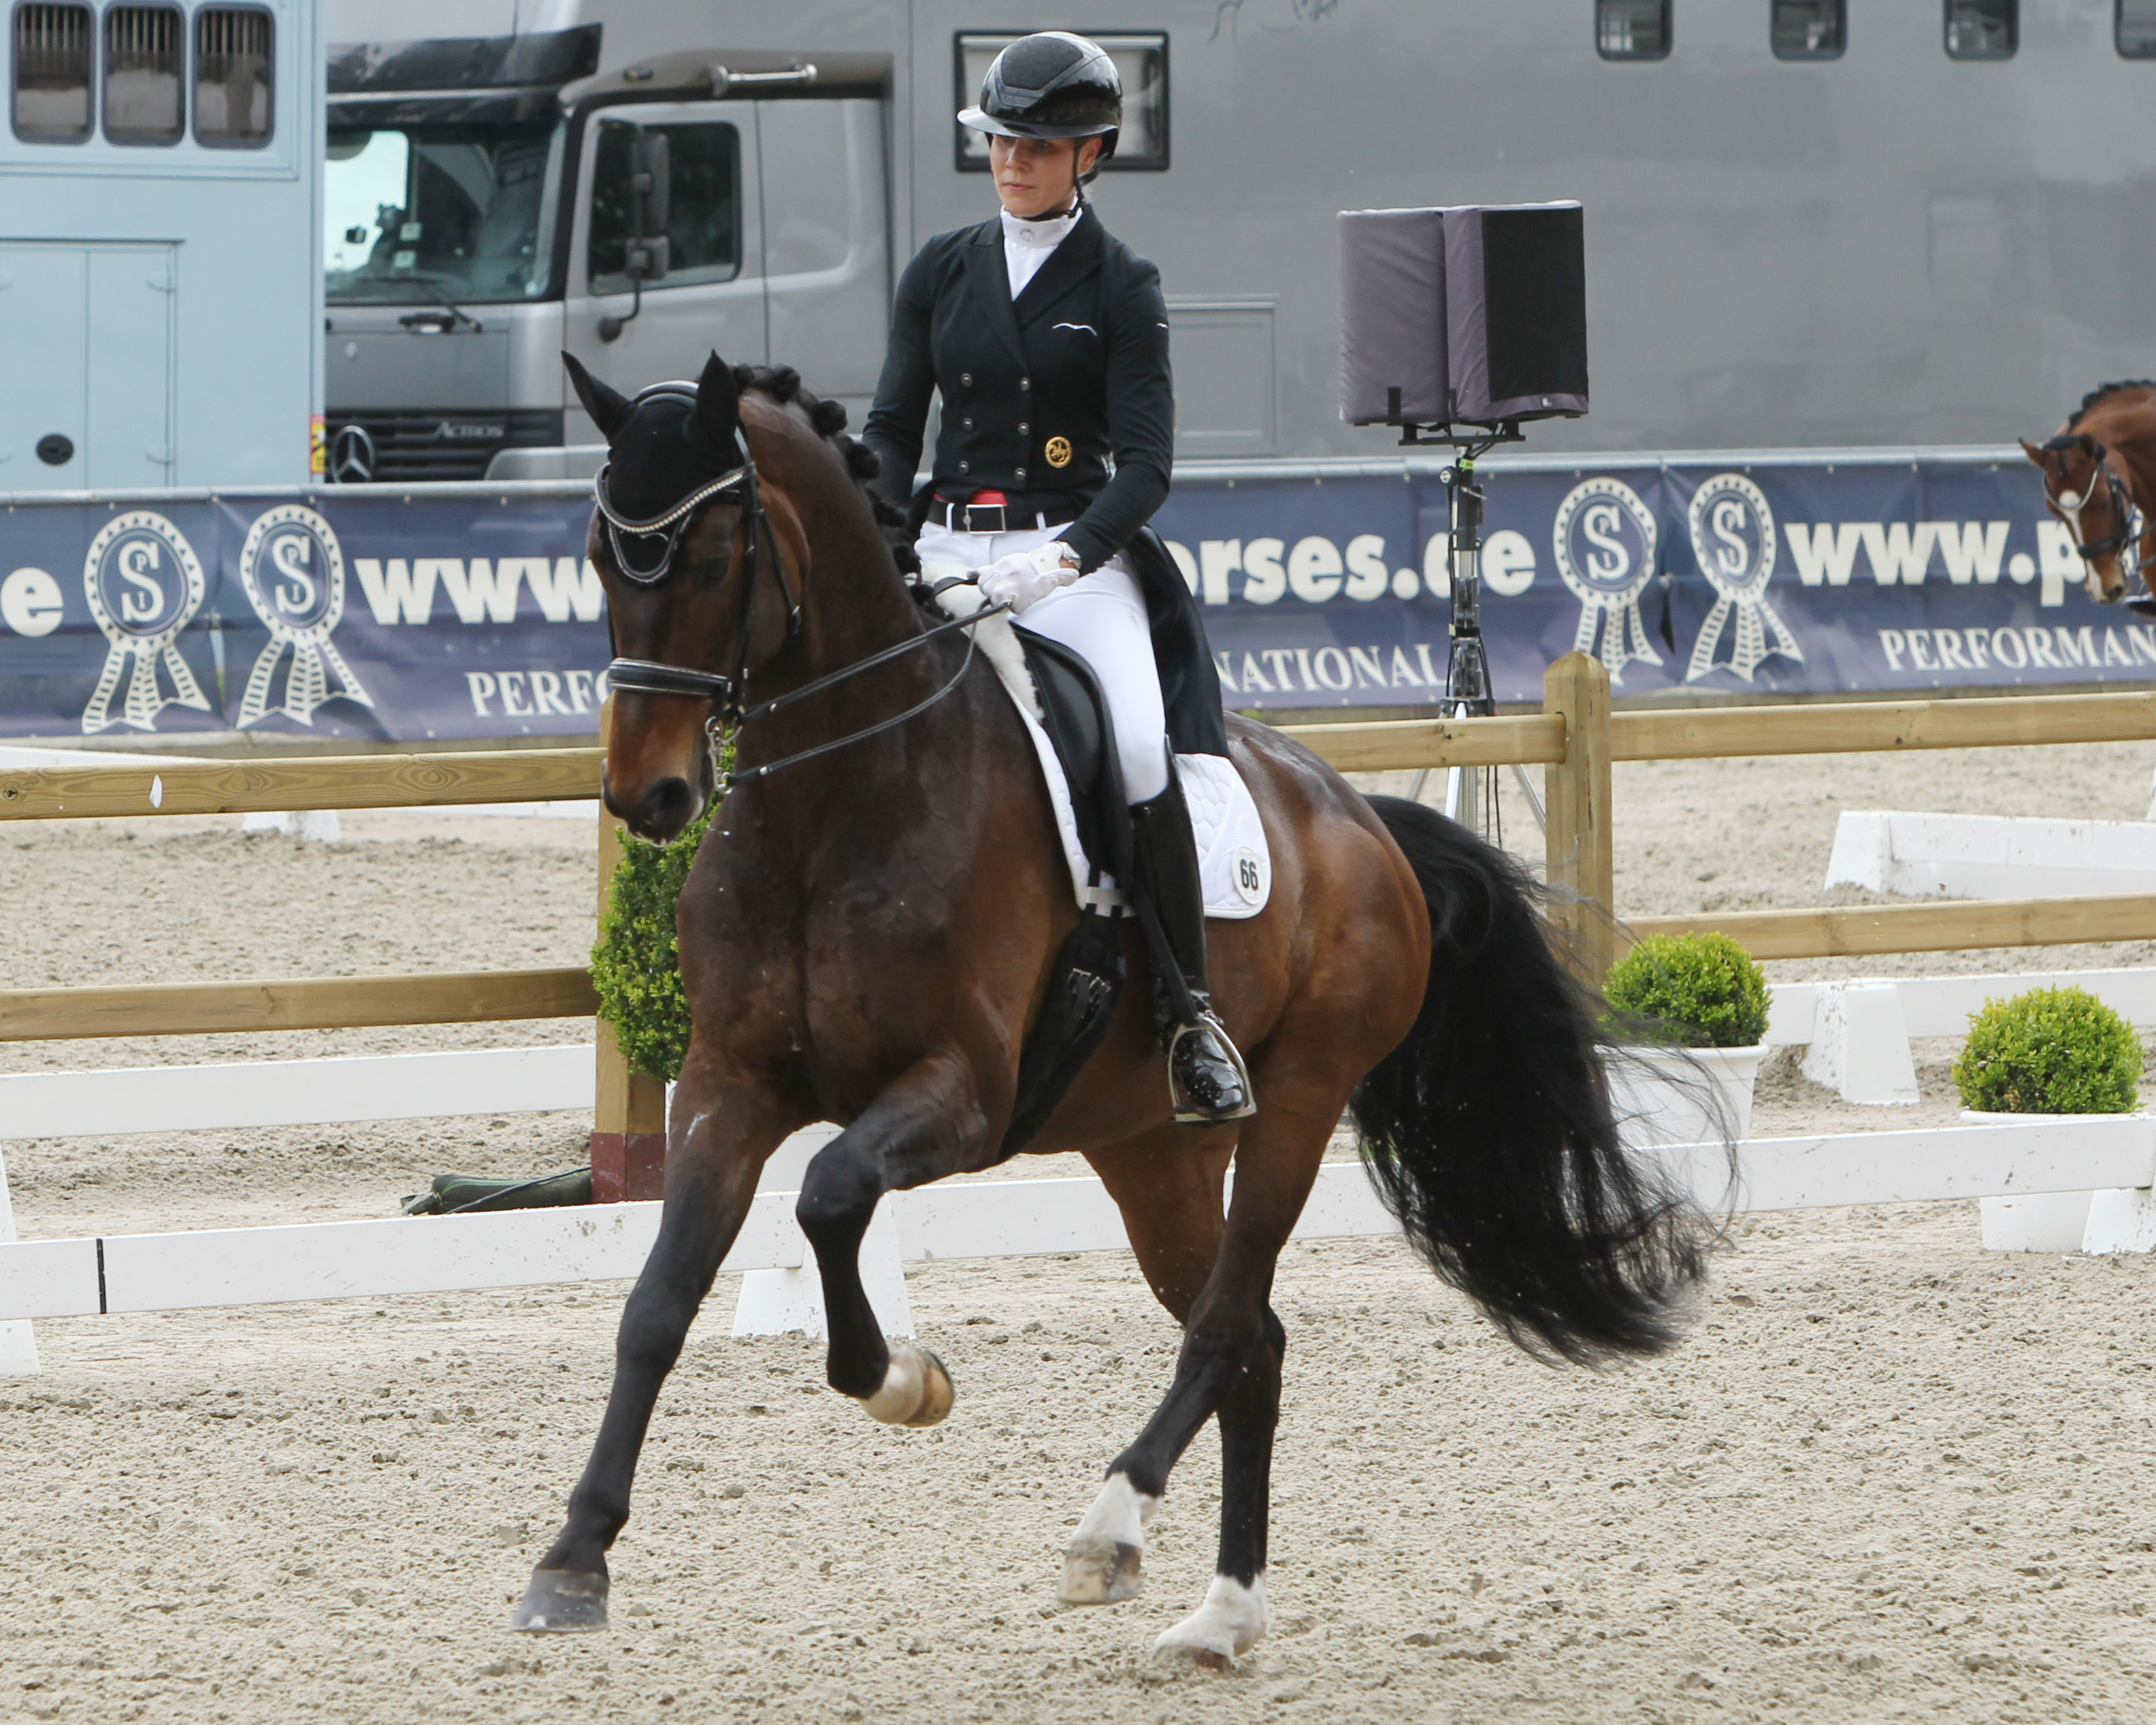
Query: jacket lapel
(1070,263)
(989,280)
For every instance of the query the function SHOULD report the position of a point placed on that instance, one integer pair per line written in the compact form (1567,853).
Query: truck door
(712,295)
(76,413)
(825,243)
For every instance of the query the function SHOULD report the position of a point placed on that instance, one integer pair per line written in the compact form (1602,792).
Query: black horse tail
(1489,1130)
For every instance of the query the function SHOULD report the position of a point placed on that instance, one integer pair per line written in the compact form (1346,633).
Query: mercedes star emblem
(352,456)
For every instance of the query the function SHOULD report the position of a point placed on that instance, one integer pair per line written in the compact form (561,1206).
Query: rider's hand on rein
(1025,578)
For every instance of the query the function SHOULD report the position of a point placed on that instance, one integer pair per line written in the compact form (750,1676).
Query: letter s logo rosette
(1732,539)
(293,569)
(1604,541)
(144,584)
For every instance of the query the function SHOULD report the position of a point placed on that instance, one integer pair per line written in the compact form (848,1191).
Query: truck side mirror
(649,248)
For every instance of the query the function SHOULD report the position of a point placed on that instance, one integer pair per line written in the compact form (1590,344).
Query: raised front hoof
(1100,1571)
(917,1389)
(562,1602)
(1228,1624)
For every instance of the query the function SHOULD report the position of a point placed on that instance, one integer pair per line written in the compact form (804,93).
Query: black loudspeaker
(1392,315)
(1516,312)
(1475,315)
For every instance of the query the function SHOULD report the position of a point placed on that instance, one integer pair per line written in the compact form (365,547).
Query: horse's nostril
(666,806)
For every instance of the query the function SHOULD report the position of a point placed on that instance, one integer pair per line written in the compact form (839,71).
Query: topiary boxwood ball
(2050,1051)
(636,966)
(1702,991)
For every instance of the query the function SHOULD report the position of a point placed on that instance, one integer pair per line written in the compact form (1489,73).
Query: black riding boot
(1208,1083)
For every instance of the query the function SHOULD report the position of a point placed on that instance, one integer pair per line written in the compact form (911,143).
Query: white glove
(1025,578)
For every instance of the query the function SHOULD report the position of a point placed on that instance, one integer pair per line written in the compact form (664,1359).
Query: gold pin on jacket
(1057,452)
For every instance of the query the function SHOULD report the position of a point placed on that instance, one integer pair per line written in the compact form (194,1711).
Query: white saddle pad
(1235,862)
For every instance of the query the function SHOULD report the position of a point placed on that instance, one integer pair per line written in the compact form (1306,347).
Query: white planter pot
(1666,1096)
(2117,1221)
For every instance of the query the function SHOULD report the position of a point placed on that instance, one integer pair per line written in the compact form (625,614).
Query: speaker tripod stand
(1471,793)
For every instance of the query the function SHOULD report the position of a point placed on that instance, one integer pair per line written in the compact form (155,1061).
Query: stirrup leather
(1230,1099)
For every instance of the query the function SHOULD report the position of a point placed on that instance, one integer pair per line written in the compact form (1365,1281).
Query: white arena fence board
(51,1278)
(1940,1006)
(1915,856)
(1925,1165)
(997,1218)
(1008,1218)
(244,1094)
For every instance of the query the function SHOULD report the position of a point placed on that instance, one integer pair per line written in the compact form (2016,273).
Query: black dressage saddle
(1090,969)
(1074,713)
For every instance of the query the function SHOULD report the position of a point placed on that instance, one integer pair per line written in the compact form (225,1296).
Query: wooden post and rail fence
(1576,738)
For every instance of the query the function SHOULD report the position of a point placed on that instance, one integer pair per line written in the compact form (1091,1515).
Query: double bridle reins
(653,677)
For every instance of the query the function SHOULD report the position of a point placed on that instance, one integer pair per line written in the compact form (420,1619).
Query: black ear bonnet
(668,442)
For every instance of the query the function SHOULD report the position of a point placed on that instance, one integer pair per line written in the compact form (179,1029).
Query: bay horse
(872,920)
(2100,480)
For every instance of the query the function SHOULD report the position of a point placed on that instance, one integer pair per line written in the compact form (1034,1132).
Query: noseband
(653,677)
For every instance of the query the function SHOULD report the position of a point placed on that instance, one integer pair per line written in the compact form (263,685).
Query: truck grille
(407,445)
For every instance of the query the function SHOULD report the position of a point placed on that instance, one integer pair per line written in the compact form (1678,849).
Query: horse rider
(1047,338)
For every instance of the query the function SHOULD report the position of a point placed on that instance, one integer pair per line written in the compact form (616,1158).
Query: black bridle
(650,676)
(2125,512)
(726,694)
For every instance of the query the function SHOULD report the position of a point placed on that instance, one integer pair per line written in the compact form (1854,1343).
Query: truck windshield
(421,215)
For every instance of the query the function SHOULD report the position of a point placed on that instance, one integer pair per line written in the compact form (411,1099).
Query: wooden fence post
(628,1112)
(1576,789)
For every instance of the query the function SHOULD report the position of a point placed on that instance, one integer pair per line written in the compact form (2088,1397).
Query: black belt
(1000,517)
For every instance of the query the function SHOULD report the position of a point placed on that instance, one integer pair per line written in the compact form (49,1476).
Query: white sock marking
(1119,1513)
(1228,1624)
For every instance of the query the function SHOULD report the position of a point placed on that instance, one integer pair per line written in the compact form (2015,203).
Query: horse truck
(1804,230)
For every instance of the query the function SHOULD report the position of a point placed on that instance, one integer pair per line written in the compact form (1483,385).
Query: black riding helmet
(1052,84)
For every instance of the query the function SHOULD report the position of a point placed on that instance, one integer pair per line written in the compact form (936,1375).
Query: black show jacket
(1077,368)
(1037,394)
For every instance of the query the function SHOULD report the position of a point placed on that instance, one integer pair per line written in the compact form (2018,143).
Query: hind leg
(1233,1615)
(1168,1188)
(1233,1344)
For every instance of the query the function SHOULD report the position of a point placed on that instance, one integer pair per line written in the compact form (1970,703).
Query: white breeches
(1101,617)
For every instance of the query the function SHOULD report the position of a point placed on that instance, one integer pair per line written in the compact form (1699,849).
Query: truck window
(52,74)
(144,103)
(425,213)
(1142,63)
(1810,29)
(2134,28)
(1632,30)
(1982,29)
(232,77)
(703,216)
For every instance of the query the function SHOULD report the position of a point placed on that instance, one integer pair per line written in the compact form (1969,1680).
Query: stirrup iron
(1188,1109)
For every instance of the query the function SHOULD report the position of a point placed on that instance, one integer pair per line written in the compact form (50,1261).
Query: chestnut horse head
(2095,470)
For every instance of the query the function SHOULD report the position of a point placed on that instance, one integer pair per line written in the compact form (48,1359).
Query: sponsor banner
(345,614)
(460,613)
(1852,578)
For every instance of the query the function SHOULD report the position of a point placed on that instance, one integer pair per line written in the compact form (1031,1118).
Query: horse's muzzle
(664,808)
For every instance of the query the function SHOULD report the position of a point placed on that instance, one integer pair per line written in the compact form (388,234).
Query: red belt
(984,513)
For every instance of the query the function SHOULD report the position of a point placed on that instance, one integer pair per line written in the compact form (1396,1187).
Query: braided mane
(2103,391)
(782,384)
